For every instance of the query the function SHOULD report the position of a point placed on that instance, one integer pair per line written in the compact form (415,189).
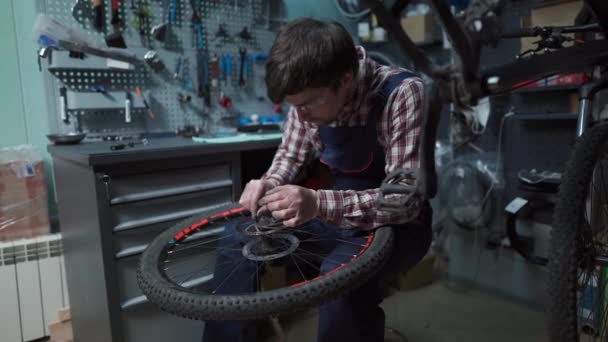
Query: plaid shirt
(399,132)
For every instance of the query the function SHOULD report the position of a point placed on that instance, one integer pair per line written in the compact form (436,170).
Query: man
(362,120)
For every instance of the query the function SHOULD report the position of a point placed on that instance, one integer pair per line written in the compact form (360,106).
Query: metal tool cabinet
(110,207)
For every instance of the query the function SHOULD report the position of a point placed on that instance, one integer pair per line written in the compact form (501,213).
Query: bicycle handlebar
(540,30)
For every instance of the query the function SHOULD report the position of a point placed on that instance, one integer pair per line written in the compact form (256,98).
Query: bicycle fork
(585,96)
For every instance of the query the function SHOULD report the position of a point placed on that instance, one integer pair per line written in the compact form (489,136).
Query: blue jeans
(356,316)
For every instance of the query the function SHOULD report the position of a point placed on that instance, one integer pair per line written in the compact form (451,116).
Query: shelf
(570,87)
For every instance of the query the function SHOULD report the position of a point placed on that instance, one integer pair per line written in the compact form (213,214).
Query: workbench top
(99,153)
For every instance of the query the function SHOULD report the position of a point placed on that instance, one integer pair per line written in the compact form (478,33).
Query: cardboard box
(553,14)
(419,276)
(421,28)
(23,200)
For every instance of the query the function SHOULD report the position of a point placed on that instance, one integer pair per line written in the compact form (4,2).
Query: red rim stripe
(365,247)
(195,226)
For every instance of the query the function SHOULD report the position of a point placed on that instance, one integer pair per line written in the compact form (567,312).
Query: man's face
(320,105)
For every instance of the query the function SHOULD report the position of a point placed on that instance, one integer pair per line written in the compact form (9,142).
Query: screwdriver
(150,112)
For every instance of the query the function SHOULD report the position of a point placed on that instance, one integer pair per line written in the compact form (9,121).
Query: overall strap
(393,82)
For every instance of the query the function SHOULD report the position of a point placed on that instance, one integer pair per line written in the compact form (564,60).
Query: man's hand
(254,190)
(291,203)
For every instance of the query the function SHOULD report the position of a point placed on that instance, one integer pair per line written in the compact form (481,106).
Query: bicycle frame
(463,83)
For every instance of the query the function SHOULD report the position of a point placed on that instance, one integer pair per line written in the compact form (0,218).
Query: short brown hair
(309,53)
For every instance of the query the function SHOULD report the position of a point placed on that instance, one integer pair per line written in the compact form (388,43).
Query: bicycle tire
(180,301)
(566,249)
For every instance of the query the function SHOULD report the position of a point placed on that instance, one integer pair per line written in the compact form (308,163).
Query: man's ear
(347,79)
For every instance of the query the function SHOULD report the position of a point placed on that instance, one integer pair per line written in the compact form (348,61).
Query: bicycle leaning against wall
(579,240)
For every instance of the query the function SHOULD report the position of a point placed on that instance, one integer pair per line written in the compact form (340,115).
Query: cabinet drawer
(128,242)
(165,210)
(195,268)
(152,325)
(144,186)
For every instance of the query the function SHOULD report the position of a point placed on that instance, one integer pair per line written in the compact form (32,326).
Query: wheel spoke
(229,275)
(319,255)
(298,266)
(197,244)
(306,261)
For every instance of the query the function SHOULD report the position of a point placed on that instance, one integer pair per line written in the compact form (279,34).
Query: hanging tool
(181,98)
(226,68)
(98,14)
(243,55)
(215,70)
(115,38)
(44,52)
(186,75)
(140,16)
(173,12)
(82,12)
(63,104)
(133,5)
(222,33)
(248,69)
(115,7)
(139,21)
(245,34)
(203,77)
(178,65)
(143,99)
(151,57)
(159,31)
(197,24)
(128,108)
(225,101)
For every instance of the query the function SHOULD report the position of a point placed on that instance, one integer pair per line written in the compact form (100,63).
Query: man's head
(312,65)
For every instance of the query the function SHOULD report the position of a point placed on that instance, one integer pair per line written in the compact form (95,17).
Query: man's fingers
(278,205)
(271,197)
(277,189)
(261,210)
(284,214)
(244,200)
(258,192)
(292,222)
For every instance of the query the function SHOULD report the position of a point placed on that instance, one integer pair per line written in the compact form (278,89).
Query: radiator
(32,287)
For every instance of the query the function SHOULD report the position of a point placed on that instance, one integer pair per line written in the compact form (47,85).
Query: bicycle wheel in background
(218,265)
(579,244)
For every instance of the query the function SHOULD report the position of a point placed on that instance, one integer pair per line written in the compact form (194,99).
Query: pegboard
(223,23)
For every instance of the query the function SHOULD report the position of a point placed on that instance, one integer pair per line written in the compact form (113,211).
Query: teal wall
(23,113)
(12,128)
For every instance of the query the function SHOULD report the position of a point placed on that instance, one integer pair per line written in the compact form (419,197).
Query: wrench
(243,54)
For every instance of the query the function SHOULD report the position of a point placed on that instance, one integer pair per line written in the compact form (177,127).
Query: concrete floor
(441,313)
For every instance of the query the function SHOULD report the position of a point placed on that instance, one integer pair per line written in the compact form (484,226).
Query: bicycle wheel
(219,266)
(579,244)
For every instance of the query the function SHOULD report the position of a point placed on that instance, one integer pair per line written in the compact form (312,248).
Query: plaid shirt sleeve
(399,132)
(293,152)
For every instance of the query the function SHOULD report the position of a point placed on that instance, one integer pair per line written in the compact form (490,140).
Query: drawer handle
(133,224)
(140,300)
(146,195)
(135,250)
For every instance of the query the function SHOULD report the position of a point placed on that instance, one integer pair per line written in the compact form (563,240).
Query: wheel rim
(213,281)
